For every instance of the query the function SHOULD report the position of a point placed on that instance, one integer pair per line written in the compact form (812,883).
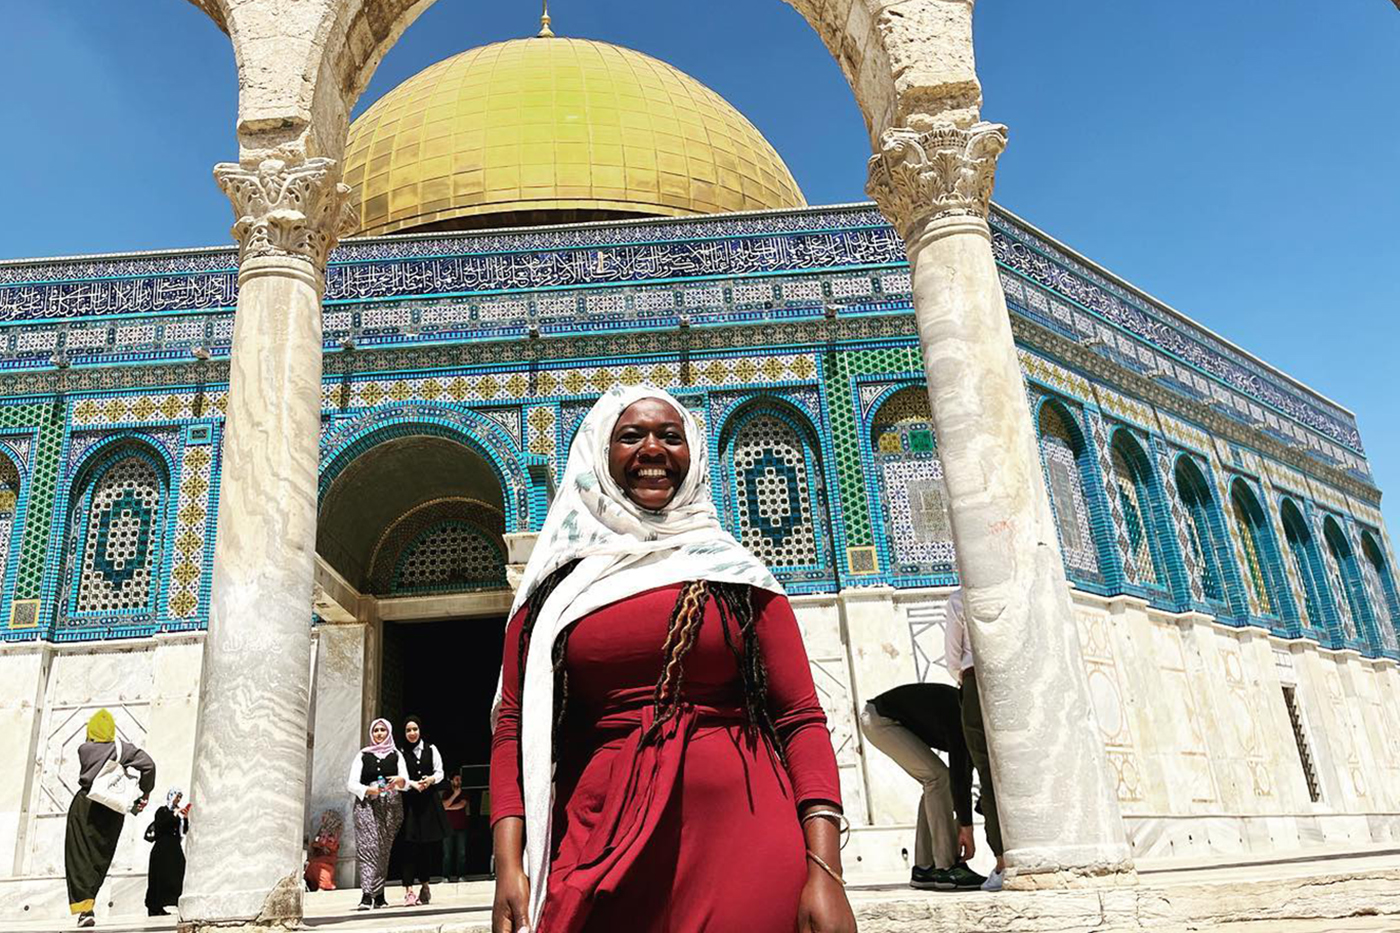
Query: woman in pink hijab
(377,775)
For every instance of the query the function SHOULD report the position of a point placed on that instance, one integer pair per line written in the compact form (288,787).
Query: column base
(259,909)
(1060,867)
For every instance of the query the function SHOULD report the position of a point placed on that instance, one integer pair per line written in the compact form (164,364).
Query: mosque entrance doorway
(414,525)
(445,671)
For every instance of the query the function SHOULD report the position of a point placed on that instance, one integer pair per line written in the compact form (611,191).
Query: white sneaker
(993,882)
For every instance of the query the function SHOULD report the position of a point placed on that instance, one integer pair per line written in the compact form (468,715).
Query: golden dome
(550,130)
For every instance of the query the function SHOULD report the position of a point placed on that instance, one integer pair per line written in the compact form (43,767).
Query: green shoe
(962,878)
(927,879)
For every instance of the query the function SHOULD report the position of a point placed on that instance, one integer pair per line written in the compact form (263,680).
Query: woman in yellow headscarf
(93,829)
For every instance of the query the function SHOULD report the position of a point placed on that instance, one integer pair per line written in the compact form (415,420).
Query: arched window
(911,477)
(1345,579)
(114,545)
(1302,550)
(1201,528)
(448,545)
(1381,585)
(9,504)
(1063,455)
(774,496)
(1260,554)
(1131,486)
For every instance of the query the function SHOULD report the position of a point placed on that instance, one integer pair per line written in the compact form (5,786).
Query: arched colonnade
(910,65)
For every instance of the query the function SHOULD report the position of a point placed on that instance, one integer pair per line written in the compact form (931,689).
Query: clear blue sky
(1237,160)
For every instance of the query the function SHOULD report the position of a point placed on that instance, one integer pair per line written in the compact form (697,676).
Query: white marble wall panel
(1112,709)
(1178,728)
(819,619)
(174,712)
(1369,757)
(22,671)
(118,677)
(337,730)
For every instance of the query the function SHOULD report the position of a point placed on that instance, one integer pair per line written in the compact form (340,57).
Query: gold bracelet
(821,863)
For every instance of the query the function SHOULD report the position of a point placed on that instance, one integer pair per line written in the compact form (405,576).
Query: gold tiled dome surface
(555,128)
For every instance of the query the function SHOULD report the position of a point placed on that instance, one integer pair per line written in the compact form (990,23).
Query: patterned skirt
(377,822)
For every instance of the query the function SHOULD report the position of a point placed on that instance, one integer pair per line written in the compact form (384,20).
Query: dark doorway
(446,672)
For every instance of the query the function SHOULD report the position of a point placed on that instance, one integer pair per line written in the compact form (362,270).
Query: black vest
(417,769)
(372,768)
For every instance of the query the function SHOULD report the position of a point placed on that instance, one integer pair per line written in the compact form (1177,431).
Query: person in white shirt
(377,775)
(957,655)
(424,822)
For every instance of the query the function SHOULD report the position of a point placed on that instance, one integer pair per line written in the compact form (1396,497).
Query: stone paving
(1318,893)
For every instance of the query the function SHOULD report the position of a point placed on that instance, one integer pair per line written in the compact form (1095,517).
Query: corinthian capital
(921,176)
(286,209)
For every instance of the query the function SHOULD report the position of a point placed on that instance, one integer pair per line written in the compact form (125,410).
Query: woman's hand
(510,913)
(372,790)
(823,907)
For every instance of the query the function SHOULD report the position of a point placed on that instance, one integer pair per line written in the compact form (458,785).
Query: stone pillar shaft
(249,783)
(1060,817)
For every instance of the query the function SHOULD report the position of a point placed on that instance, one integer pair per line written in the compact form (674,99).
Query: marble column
(250,765)
(1059,812)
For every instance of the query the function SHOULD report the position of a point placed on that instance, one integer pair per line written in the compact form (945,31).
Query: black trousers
(420,861)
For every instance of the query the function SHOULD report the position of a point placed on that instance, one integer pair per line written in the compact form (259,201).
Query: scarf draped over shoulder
(622,550)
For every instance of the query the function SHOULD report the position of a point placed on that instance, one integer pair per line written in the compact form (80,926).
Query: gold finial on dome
(545,32)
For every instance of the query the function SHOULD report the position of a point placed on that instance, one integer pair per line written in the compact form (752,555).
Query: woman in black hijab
(424,822)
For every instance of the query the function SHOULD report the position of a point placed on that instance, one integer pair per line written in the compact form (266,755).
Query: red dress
(698,832)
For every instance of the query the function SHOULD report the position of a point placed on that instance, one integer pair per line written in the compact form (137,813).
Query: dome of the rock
(550,130)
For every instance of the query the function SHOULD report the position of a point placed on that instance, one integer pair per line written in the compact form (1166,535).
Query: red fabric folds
(697,829)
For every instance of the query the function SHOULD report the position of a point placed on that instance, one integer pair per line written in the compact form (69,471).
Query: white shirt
(353,784)
(435,777)
(957,647)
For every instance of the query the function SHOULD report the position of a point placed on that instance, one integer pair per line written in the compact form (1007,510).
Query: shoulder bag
(115,787)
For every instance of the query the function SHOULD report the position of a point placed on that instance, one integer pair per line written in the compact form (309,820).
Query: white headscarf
(622,549)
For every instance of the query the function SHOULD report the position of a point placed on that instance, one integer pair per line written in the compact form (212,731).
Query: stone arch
(115,530)
(301,70)
(477,433)
(774,492)
(389,488)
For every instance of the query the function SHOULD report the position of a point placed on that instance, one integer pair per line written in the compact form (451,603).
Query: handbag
(115,787)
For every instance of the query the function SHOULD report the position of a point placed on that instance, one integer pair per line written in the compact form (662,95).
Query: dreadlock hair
(734,602)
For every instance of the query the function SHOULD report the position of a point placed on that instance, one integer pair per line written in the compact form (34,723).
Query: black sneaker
(379,901)
(962,878)
(86,919)
(366,902)
(927,879)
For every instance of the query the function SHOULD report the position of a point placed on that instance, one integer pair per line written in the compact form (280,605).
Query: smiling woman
(649,456)
(654,668)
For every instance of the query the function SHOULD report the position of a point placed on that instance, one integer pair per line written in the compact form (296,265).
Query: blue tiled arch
(474,431)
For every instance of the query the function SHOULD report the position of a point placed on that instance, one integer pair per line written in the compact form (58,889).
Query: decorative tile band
(618,255)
